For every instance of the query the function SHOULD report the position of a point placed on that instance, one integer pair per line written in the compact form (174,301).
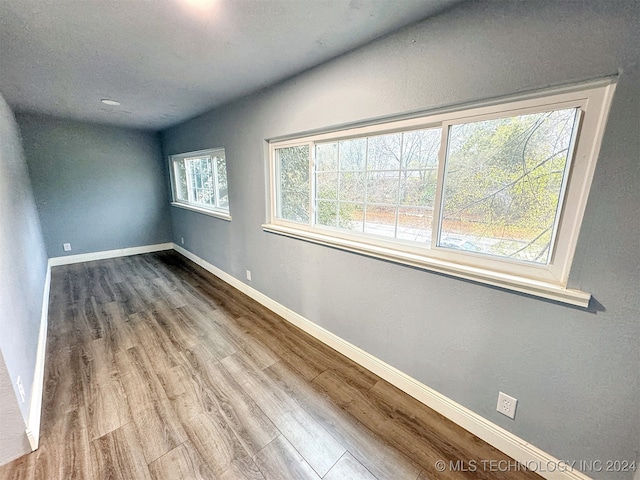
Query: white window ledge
(205,211)
(510,282)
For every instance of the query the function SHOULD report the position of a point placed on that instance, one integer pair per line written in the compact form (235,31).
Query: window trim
(213,211)
(547,281)
(204,211)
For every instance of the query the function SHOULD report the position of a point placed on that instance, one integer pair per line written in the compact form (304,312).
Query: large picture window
(199,181)
(493,193)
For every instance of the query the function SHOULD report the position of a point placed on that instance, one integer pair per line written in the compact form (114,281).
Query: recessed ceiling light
(107,101)
(201,4)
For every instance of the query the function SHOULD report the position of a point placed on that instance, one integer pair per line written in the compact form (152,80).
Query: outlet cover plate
(507,405)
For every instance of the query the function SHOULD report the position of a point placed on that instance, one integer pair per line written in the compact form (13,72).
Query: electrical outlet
(249,275)
(20,388)
(66,247)
(507,405)
(182,240)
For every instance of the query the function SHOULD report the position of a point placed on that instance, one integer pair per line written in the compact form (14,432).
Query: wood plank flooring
(158,370)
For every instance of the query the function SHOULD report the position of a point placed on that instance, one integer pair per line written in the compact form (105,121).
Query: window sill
(510,282)
(204,211)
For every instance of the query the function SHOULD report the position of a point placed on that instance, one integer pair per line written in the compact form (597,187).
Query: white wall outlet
(182,240)
(66,247)
(507,405)
(20,388)
(249,275)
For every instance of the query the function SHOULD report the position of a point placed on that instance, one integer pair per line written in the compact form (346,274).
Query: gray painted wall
(13,438)
(574,372)
(97,187)
(23,268)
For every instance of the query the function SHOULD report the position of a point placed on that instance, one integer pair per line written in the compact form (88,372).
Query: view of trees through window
(223,188)
(503,183)
(501,191)
(382,185)
(293,175)
(197,182)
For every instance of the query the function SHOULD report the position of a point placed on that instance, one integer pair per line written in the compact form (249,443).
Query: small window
(199,182)
(494,193)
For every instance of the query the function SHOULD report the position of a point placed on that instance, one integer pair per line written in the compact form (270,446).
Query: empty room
(320,239)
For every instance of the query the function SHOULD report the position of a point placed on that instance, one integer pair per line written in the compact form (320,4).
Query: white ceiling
(169,60)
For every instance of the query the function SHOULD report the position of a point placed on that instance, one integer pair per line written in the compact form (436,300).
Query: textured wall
(96,187)
(574,372)
(23,267)
(13,439)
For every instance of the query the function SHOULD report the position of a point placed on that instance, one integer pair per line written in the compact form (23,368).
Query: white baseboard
(121,252)
(37,388)
(505,441)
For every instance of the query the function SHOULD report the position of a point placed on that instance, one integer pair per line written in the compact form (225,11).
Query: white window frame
(548,281)
(216,210)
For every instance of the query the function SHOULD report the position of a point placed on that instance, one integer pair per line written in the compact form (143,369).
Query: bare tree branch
(508,185)
(531,242)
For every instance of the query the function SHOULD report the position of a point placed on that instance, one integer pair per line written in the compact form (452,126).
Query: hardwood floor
(158,370)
